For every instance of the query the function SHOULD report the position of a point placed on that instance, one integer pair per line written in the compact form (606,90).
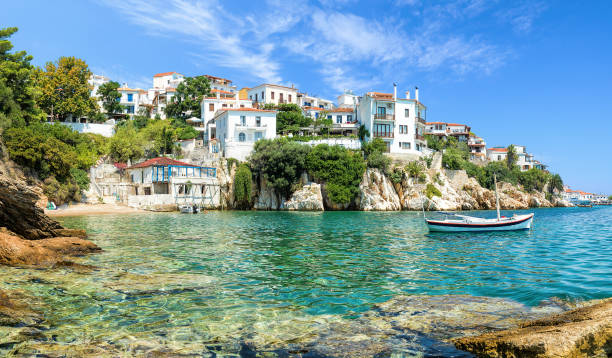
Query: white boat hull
(519,222)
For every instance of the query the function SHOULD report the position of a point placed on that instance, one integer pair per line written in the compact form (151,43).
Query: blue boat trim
(442,223)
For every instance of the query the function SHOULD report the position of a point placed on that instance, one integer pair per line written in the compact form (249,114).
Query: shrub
(280,162)
(454,159)
(80,177)
(431,191)
(397,175)
(61,193)
(428,160)
(379,161)
(533,179)
(416,170)
(242,186)
(340,168)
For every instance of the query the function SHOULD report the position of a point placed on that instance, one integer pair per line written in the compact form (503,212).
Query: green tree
(555,183)
(187,100)
(18,90)
(339,168)
(65,90)
(610,198)
(280,162)
(290,118)
(454,159)
(511,157)
(242,186)
(126,145)
(363,133)
(110,98)
(533,179)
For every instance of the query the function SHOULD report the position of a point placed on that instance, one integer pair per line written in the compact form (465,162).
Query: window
(224,105)
(130,97)
(255,97)
(262,95)
(241,137)
(383,130)
(211,107)
(381,110)
(403,129)
(349,118)
(258,121)
(499,157)
(338,119)
(258,136)
(329,117)
(242,106)
(289,96)
(130,109)
(243,120)
(147,190)
(280,97)
(406,113)
(272,95)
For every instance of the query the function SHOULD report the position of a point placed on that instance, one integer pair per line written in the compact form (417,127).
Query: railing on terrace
(251,125)
(420,120)
(419,137)
(384,134)
(164,173)
(384,117)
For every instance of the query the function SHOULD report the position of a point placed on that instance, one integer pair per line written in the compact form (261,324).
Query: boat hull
(522,222)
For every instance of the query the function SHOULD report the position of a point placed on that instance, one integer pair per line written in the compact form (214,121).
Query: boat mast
(496,196)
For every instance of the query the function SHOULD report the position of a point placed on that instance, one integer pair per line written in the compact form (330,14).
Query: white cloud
(522,16)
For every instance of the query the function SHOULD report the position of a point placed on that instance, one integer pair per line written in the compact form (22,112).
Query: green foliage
(511,157)
(65,90)
(363,133)
(187,100)
(242,186)
(610,198)
(416,170)
(289,118)
(183,130)
(340,168)
(533,179)
(454,158)
(308,138)
(18,90)
(126,145)
(110,97)
(375,145)
(555,183)
(431,191)
(80,177)
(396,175)
(380,161)
(280,162)
(231,162)
(428,160)
(61,192)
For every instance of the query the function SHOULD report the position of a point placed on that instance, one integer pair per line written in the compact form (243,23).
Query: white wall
(348,143)
(106,130)
(267,92)
(229,130)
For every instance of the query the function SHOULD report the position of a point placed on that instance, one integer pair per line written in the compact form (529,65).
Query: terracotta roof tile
(163,161)
(165,74)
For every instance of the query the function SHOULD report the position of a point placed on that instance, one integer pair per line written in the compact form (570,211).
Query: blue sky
(535,73)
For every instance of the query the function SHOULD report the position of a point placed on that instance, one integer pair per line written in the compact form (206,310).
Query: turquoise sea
(188,281)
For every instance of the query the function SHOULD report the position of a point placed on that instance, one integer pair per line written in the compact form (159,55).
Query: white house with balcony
(237,130)
(221,85)
(443,129)
(163,181)
(271,93)
(131,99)
(496,154)
(399,122)
(436,129)
(167,80)
(305,100)
(478,148)
(524,160)
(211,107)
(344,121)
(348,99)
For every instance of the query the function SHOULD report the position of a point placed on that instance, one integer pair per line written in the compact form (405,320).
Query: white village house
(237,130)
(271,93)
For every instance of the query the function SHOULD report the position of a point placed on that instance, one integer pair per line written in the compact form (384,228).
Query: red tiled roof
(165,74)
(246,109)
(498,149)
(456,124)
(163,161)
(381,95)
(428,123)
(120,165)
(210,77)
(310,108)
(221,91)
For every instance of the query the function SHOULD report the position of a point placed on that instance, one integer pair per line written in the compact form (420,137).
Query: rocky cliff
(378,193)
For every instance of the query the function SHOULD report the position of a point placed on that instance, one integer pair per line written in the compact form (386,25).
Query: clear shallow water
(263,276)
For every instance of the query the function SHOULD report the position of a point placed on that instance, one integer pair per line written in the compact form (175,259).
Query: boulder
(377,193)
(582,332)
(308,198)
(266,199)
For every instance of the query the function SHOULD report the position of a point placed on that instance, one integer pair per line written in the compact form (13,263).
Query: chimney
(407,94)
(416,93)
(394,91)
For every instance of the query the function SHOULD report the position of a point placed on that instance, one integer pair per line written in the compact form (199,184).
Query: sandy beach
(93,209)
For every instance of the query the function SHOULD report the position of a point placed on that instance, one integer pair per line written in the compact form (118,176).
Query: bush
(416,170)
(80,177)
(340,168)
(431,191)
(397,175)
(61,193)
(533,179)
(379,161)
(280,162)
(242,186)
(454,159)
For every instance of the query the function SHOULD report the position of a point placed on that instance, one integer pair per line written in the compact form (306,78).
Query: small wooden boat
(584,205)
(189,209)
(456,223)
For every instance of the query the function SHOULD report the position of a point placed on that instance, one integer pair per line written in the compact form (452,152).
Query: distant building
(524,160)
(131,99)
(243,93)
(221,84)
(496,154)
(478,148)
(442,129)
(210,107)
(304,100)
(344,121)
(167,80)
(237,130)
(274,94)
(348,100)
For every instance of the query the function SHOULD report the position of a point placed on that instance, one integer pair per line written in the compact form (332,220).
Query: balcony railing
(420,120)
(419,137)
(384,117)
(383,134)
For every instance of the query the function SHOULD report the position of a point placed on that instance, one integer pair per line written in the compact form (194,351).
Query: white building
(238,129)
(304,100)
(442,129)
(344,121)
(436,128)
(95,81)
(167,80)
(221,85)
(348,100)
(275,94)
(211,107)
(524,160)
(497,154)
(131,99)
(478,148)
(165,181)
(398,121)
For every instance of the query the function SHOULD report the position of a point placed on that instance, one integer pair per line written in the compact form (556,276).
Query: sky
(534,73)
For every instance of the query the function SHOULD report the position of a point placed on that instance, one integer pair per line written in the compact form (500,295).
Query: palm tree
(363,133)
(511,157)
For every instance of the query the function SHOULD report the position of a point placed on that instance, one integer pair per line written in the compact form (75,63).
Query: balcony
(383,135)
(346,125)
(419,137)
(420,120)
(251,126)
(384,117)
